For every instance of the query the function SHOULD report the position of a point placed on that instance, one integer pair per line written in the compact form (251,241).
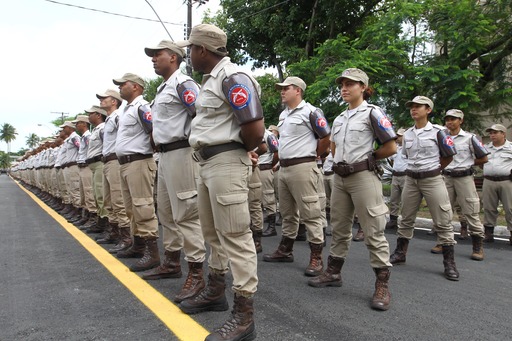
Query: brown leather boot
(125,241)
(359,236)
(193,284)
(381,296)
(170,267)
(151,257)
(135,251)
(93,219)
(271,227)
(101,225)
(301,233)
(256,236)
(489,234)
(392,224)
(316,266)
(241,324)
(67,208)
(211,298)
(478,248)
(398,257)
(438,249)
(331,277)
(111,236)
(463,231)
(284,252)
(450,269)
(85,218)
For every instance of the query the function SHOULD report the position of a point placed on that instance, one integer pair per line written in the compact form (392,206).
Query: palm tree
(8,134)
(32,140)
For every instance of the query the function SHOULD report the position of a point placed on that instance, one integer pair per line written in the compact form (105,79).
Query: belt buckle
(128,158)
(196,156)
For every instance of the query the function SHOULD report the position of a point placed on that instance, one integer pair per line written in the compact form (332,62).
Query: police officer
(86,196)
(110,101)
(497,180)
(137,169)
(97,117)
(458,177)
(428,149)
(397,182)
(304,135)
(71,177)
(266,162)
(228,123)
(172,114)
(357,188)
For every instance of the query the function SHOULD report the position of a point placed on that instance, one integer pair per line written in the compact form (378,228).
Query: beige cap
(110,93)
(273,127)
(81,118)
(420,100)
(400,132)
(454,113)
(165,44)
(67,124)
(292,81)
(211,37)
(129,77)
(497,127)
(355,75)
(94,109)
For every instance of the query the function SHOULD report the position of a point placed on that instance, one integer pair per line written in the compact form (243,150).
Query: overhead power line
(112,13)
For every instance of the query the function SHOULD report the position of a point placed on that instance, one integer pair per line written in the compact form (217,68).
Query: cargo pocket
(374,212)
(187,207)
(233,213)
(311,205)
(472,206)
(143,209)
(269,197)
(378,210)
(447,208)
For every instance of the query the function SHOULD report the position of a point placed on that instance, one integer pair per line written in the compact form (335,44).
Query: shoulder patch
(239,96)
(448,141)
(385,123)
(188,96)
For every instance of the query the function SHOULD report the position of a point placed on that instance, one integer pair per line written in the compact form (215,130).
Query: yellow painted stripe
(182,325)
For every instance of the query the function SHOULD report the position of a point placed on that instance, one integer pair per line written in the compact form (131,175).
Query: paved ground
(53,288)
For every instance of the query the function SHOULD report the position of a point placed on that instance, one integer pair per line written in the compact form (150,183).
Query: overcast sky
(55,58)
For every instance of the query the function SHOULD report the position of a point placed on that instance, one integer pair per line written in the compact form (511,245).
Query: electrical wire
(165,28)
(112,13)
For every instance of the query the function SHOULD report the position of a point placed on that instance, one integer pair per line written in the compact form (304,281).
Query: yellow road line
(182,325)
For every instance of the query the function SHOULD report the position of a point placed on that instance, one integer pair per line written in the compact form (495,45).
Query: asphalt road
(53,288)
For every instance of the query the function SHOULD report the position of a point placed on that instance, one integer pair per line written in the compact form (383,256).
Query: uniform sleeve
(144,112)
(382,127)
(478,148)
(243,97)
(187,92)
(272,143)
(319,123)
(76,142)
(446,144)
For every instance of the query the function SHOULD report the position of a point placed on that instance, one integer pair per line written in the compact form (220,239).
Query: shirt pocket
(428,147)
(211,105)
(356,131)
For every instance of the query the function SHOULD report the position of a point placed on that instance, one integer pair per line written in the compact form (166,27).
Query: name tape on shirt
(239,96)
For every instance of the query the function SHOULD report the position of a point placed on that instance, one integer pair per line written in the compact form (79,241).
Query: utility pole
(188,28)
(62,115)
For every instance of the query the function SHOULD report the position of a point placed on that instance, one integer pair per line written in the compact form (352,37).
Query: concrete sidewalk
(499,231)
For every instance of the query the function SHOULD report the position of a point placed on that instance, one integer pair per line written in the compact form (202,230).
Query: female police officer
(356,186)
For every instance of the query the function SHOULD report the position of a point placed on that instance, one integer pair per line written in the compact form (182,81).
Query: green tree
(32,140)
(8,134)
(271,98)
(5,160)
(150,88)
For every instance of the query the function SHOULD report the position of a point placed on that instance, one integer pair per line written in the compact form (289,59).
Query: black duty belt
(207,152)
(167,147)
(108,158)
(69,164)
(133,157)
(264,167)
(82,165)
(94,159)
(423,175)
(395,173)
(296,161)
(329,173)
(458,173)
(497,178)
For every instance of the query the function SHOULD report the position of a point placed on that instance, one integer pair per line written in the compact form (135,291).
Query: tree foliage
(456,52)
(32,140)
(5,160)
(8,134)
